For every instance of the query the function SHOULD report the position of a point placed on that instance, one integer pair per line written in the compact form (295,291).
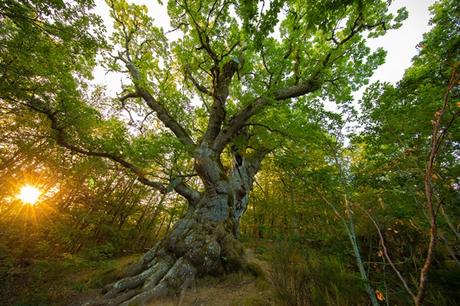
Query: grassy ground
(72,280)
(64,281)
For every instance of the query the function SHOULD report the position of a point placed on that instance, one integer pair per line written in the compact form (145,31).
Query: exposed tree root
(191,250)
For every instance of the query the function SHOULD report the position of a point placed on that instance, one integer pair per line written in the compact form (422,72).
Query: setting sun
(29,194)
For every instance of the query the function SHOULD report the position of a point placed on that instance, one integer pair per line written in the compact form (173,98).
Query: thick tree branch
(142,92)
(128,96)
(187,192)
(60,140)
(220,94)
(176,183)
(198,86)
(159,109)
(299,89)
(238,121)
(221,76)
(167,119)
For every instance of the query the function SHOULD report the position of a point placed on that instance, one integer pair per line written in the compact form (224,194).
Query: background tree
(414,127)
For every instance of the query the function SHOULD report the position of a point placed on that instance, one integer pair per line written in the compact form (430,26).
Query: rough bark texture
(196,246)
(203,242)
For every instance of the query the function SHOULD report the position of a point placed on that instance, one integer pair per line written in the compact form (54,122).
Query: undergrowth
(58,281)
(303,277)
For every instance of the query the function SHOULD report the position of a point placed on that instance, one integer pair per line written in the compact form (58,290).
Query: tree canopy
(232,66)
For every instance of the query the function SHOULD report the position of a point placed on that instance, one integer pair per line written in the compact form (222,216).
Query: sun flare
(29,194)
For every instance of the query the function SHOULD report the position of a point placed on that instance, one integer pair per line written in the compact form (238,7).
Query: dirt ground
(237,289)
(232,290)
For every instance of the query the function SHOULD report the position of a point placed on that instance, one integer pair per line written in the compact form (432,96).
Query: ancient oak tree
(203,95)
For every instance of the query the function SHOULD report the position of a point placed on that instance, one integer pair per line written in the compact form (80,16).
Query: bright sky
(400,44)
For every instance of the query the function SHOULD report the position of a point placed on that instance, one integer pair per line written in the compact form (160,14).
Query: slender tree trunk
(437,138)
(350,226)
(359,261)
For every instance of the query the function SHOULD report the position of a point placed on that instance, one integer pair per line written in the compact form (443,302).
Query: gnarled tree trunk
(203,242)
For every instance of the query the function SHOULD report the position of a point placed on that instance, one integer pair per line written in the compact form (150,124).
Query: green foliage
(383,175)
(44,46)
(394,149)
